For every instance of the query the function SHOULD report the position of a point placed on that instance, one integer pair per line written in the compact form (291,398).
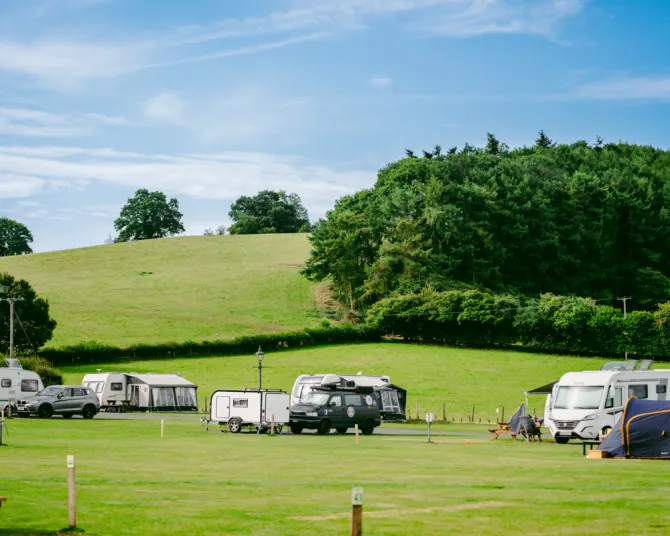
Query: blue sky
(208,100)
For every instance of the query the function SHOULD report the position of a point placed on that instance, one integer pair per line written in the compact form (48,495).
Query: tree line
(576,219)
(149,215)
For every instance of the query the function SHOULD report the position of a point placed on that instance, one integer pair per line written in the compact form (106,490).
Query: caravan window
(661,389)
(240,403)
(639,391)
(116,386)
(6,383)
(29,386)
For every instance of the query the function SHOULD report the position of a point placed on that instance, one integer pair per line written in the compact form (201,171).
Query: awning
(544,390)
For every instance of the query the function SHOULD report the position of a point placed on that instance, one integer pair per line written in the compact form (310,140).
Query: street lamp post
(259,355)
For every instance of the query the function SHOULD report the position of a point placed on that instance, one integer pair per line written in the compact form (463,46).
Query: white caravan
(111,388)
(305,382)
(251,408)
(584,405)
(15,382)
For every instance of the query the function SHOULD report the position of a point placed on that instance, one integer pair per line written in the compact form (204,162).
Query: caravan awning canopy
(162,380)
(544,390)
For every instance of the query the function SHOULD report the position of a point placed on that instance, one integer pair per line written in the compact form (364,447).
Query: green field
(192,482)
(176,289)
(432,375)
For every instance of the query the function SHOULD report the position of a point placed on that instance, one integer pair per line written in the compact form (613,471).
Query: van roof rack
(353,388)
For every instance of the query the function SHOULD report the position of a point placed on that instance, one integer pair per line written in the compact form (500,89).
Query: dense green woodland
(580,219)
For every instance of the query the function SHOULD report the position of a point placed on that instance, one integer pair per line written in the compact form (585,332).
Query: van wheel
(235,426)
(296,429)
(45,411)
(324,427)
(341,430)
(368,427)
(88,412)
(561,440)
(67,415)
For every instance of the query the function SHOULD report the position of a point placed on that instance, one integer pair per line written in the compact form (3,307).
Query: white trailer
(15,383)
(111,388)
(585,405)
(250,408)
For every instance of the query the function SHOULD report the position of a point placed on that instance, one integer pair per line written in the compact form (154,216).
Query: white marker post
(356,428)
(71,493)
(162,426)
(430,419)
(356,511)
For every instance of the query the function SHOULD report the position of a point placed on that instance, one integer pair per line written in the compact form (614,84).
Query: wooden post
(71,494)
(2,424)
(357,512)
(444,412)
(162,426)
(503,414)
(9,409)
(272,426)
(417,410)
(356,428)
(473,414)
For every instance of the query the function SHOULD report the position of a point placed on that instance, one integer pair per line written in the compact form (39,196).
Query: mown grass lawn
(192,482)
(432,375)
(175,289)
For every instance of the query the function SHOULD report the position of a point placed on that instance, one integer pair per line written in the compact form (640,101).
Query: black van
(341,408)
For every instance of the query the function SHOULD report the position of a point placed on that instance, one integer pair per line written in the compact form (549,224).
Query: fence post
(417,410)
(2,424)
(71,494)
(356,428)
(473,414)
(272,426)
(357,512)
(162,426)
(444,412)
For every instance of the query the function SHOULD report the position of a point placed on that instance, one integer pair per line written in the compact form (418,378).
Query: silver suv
(65,400)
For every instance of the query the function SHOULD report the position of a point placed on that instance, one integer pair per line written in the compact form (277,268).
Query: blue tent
(643,431)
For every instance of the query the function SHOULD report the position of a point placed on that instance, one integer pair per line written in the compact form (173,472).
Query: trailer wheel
(562,440)
(45,411)
(368,427)
(341,430)
(296,429)
(235,425)
(324,427)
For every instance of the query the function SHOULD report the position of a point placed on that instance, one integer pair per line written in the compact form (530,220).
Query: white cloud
(380,81)
(633,88)
(166,106)
(65,64)
(29,122)
(17,186)
(223,176)
(29,204)
(106,119)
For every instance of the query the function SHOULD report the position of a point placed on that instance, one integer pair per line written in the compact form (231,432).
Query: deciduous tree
(15,238)
(148,215)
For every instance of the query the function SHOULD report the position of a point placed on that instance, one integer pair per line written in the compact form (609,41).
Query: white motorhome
(305,382)
(129,390)
(250,408)
(584,405)
(15,382)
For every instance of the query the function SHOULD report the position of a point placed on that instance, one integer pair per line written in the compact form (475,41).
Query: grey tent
(643,431)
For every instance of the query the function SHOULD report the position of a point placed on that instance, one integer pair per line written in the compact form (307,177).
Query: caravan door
(222,408)
(277,404)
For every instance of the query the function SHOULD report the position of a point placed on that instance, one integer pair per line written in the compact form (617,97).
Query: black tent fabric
(642,432)
(544,390)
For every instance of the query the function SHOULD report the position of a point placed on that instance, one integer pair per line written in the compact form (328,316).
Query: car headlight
(311,414)
(591,417)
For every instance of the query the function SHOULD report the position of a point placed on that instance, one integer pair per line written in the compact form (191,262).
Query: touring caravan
(156,392)
(250,408)
(16,382)
(391,399)
(584,405)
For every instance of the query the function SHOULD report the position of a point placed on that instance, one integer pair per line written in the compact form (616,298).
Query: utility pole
(624,300)
(11,328)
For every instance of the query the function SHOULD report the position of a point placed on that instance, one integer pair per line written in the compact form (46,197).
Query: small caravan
(392,399)
(15,382)
(155,392)
(250,408)
(585,405)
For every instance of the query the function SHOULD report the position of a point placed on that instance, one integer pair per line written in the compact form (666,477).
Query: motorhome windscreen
(318,399)
(579,397)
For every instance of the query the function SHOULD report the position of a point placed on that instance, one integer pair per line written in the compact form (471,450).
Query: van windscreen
(579,397)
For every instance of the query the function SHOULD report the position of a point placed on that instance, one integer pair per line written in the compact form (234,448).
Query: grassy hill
(487,379)
(176,289)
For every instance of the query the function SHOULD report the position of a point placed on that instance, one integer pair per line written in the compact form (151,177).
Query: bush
(94,352)
(45,369)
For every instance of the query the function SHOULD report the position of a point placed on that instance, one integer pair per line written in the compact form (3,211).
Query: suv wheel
(235,426)
(324,427)
(296,429)
(67,415)
(368,427)
(341,430)
(88,412)
(45,411)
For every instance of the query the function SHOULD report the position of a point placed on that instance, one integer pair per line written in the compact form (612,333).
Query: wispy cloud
(626,88)
(380,81)
(166,106)
(65,64)
(28,122)
(202,176)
